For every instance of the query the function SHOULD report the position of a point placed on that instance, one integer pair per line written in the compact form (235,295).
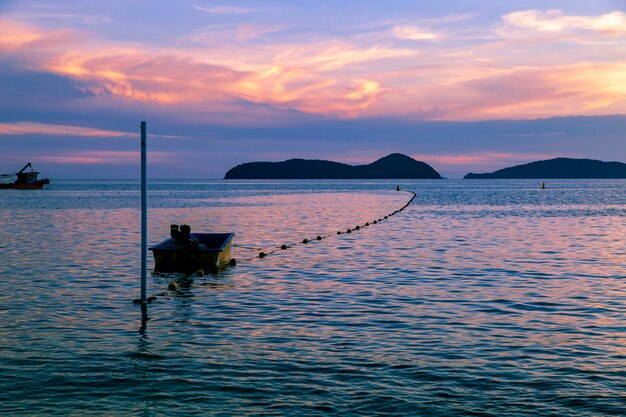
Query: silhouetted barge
(25,180)
(189,252)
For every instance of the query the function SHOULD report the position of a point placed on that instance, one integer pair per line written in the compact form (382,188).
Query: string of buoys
(185,280)
(269,251)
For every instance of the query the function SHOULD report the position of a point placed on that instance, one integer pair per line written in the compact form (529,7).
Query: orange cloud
(14,35)
(297,77)
(28,39)
(584,88)
(353,77)
(362,89)
(136,76)
(484,90)
(318,81)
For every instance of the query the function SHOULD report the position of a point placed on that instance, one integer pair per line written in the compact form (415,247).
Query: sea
(481,298)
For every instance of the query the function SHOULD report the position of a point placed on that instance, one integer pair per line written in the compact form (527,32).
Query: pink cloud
(23,128)
(483,158)
(14,35)
(22,39)
(32,128)
(102,157)
(358,77)
(413,33)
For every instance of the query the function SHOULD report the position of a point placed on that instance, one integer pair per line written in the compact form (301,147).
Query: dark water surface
(485,298)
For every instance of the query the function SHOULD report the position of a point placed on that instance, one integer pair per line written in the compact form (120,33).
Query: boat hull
(22,186)
(37,185)
(212,252)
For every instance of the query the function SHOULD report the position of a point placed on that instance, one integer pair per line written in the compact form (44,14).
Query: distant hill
(559,168)
(394,166)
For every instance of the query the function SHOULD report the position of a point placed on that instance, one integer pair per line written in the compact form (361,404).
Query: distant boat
(23,180)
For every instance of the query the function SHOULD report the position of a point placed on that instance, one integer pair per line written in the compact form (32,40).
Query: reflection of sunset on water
(288,218)
(497,290)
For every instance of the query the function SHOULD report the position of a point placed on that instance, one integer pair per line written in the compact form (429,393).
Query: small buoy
(367,224)
(173,286)
(374,222)
(199,273)
(283,247)
(319,238)
(338,232)
(262,254)
(385,217)
(232,262)
(348,231)
(358,228)
(305,240)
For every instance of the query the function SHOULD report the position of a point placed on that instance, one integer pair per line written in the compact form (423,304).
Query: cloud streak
(102,157)
(482,159)
(33,128)
(557,21)
(224,9)
(413,33)
(26,128)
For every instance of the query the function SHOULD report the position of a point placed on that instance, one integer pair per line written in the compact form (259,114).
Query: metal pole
(144,215)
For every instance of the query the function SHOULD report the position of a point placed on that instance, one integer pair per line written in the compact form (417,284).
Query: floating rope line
(181,280)
(274,249)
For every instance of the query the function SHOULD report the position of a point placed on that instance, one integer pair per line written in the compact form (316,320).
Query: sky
(465,86)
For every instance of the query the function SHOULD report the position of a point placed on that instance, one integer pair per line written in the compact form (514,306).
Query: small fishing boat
(189,252)
(23,180)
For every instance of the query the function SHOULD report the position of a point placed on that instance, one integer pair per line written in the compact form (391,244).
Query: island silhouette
(393,166)
(562,168)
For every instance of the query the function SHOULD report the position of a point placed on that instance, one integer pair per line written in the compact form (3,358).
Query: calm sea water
(485,298)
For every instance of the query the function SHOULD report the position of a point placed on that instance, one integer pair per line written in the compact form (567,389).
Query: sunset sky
(462,85)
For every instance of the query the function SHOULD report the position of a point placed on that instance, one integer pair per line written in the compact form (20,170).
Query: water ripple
(482,298)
